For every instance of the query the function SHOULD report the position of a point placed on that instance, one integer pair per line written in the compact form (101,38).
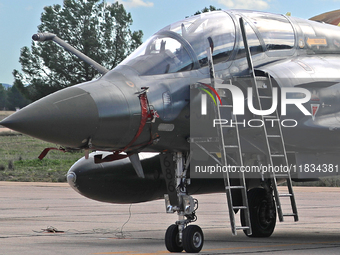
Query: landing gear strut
(180,236)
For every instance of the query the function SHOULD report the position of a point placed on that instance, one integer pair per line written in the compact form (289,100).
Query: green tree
(98,29)
(206,9)
(3,97)
(15,99)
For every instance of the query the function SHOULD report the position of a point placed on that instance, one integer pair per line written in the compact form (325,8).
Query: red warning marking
(315,108)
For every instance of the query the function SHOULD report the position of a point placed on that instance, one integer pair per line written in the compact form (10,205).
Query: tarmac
(51,218)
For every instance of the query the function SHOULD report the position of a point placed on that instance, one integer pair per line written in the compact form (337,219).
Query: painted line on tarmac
(220,249)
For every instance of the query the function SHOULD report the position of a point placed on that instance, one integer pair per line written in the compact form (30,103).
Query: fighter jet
(228,101)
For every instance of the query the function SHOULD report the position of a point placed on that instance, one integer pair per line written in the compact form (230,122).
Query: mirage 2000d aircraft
(229,101)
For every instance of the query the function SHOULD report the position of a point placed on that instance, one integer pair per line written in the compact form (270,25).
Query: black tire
(192,239)
(262,223)
(172,242)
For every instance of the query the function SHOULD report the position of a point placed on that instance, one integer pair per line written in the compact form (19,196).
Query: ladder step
(288,214)
(226,105)
(266,97)
(240,207)
(261,78)
(242,227)
(285,195)
(270,117)
(235,187)
(282,175)
(277,155)
(271,136)
(231,146)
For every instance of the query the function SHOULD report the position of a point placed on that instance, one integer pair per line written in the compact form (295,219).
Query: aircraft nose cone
(68,117)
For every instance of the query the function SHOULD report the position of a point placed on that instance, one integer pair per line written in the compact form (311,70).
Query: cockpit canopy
(182,46)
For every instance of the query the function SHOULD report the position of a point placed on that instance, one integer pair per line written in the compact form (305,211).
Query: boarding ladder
(233,147)
(272,132)
(231,152)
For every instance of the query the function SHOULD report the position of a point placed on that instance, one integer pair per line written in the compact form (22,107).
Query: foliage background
(98,29)
(19,160)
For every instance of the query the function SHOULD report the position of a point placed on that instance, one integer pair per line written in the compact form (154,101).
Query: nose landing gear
(180,236)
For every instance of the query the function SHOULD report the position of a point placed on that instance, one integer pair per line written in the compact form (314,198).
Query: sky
(19,19)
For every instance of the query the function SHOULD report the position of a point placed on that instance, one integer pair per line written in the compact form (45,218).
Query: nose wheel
(192,239)
(172,240)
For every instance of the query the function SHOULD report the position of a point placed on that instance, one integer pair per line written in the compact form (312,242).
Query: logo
(204,98)
(238,99)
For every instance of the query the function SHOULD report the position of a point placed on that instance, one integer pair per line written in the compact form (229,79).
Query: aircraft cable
(120,234)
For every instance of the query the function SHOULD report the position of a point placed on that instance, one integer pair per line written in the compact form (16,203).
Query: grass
(332,181)
(4,114)
(19,160)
